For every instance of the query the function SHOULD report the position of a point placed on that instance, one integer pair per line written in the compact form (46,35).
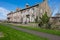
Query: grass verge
(54,32)
(12,34)
(49,31)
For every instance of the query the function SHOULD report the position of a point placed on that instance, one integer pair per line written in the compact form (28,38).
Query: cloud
(3,13)
(55,12)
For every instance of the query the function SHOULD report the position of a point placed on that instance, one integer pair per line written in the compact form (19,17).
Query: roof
(24,9)
(30,7)
(57,13)
(27,8)
(55,17)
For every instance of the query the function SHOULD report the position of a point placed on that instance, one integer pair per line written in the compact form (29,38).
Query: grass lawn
(54,32)
(12,34)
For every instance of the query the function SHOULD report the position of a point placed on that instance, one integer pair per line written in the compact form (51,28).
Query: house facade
(56,19)
(30,13)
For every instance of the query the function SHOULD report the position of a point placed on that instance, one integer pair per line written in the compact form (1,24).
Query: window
(41,11)
(33,8)
(27,16)
(59,20)
(27,9)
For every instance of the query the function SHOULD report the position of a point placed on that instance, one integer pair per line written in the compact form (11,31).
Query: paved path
(49,36)
(29,24)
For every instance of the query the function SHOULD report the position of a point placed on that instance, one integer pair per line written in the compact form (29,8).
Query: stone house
(30,13)
(56,19)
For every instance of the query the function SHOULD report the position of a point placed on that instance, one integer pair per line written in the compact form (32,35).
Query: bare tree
(59,8)
(53,7)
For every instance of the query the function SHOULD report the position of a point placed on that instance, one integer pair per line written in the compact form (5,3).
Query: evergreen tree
(45,20)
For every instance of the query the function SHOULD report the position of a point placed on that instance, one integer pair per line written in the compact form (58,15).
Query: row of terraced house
(30,13)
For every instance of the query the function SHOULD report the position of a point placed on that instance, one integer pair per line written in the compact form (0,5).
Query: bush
(48,26)
(40,24)
(44,21)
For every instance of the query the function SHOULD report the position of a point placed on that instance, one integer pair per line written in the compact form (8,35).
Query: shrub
(44,20)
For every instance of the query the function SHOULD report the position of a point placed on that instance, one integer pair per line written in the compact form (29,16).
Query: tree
(44,20)
(53,7)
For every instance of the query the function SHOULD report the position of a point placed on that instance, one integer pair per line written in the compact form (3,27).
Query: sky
(10,5)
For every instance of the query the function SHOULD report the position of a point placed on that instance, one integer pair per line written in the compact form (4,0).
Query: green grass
(12,34)
(54,32)
(49,31)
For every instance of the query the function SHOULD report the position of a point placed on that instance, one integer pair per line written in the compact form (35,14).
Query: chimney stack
(45,0)
(27,5)
(18,9)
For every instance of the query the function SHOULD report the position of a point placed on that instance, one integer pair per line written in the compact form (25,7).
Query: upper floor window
(41,10)
(33,8)
(27,9)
